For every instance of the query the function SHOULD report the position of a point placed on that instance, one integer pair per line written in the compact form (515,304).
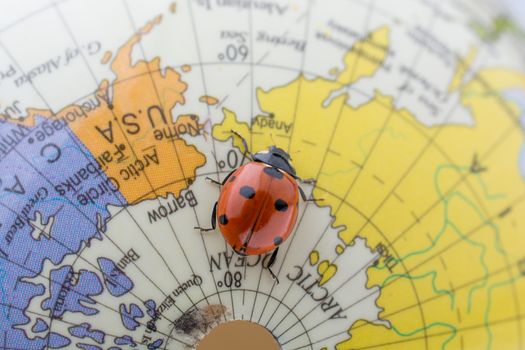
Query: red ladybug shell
(257,208)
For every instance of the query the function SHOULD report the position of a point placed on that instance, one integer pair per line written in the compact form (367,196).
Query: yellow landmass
(449,247)
(223,131)
(461,69)
(133,135)
(186,68)
(365,57)
(333,71)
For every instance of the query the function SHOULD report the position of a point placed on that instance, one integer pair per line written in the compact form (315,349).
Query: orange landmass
(186,68)
(209,100)
(106,57)
(132,135)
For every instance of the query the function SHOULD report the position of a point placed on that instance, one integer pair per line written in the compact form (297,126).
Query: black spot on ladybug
(232,178)
(247,192)
(273,172)
(277,240)
(223,219)
(280,205)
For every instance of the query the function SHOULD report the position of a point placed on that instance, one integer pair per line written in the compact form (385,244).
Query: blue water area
(3,296)
(116,281)
(57,341)
(46,175)
(151,307)
(84,330)
(518,97)
(155,345)
(88,347)
(125,340)
(40,326)
(72,292)
(129,316)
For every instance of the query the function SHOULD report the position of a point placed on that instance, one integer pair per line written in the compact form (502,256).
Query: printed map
(409,115)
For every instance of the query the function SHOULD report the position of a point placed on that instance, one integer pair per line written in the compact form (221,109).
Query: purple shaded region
(11,135)
(84,330)
(115,279)
(3,295)
(151,307)
(70,291)
(129,317)
(518,97)
(88,346)
(57,341)
(125,340)
(40,326)
(70,171)
(23,292)
(155,345)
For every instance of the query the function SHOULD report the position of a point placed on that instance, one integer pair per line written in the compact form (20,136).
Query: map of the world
(409,115)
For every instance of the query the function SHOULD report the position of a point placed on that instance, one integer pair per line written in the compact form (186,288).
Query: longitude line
(402,177)
(72,291)
(459,240)
(308,15)
(430,299)
(90,70)
(366,25)
(57,319)
(133,25)
(205,87)
(16,151)
(43,176)
(88,66)
(467,328)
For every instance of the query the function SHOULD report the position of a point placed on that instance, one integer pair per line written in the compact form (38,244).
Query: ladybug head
(276,157)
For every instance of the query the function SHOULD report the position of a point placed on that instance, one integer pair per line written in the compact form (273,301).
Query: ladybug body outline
(258,203)
(257,208)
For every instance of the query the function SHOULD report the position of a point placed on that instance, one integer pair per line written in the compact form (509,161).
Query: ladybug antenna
(298,151)
(273,141)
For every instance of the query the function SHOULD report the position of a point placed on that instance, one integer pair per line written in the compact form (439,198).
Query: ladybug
(258,203)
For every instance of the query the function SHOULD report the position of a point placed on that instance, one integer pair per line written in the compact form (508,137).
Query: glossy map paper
(409,114)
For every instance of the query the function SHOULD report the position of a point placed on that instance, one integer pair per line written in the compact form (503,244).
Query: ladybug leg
(213,181)
(245,144)
(227,177)
(213,221)
(214,216)
(308,181)
(217,182)
(306,199)
(270,264)
(303,195)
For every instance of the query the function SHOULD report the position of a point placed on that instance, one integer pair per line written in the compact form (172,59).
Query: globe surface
(409,115)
